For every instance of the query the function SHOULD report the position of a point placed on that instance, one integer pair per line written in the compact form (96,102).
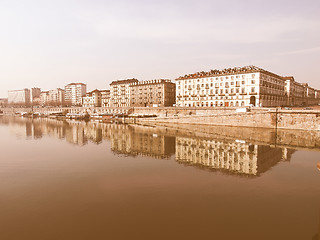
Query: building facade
(74,93)
(44,98)
(246,86)
(154,93)
(35,95)
(56,97)
(120,92)
(92,99)
(231,87)
(19,97)
(3,102)
(295,92)
(105,98)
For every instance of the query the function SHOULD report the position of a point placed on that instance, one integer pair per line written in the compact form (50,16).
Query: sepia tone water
(77,180)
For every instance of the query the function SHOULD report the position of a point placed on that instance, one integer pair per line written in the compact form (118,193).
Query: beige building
(154,93)
(120,92)
(246,86)
(295,92)
(310,95)
(3,102)
(35,95)
(231,87)
(56,97)
(19,97)
(74,93)
(105,98)
(92,99)
(44,98)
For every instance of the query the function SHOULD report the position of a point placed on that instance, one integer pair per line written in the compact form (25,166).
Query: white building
(294,92)
(92,99)
(231,87)
(56,97)
(74,93)
(120,92)
(19,97)
(105,98)
(44,98)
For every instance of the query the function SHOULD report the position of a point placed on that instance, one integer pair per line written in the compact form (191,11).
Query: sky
(49,44)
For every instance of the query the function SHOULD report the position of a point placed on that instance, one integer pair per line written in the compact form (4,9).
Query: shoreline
(265,118)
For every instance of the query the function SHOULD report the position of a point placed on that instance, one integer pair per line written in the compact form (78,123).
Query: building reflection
(229,156)
(212,153)
(138,140)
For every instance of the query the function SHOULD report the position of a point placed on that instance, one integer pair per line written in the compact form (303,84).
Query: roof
(75,84)
(152,82)
(226,71)
(127,81)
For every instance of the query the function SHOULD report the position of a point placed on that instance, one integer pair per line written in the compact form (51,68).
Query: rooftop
(127,81)
(149,82)
(226,71)
(75,84)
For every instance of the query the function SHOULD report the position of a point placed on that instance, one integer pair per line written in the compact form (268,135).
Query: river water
(77,180)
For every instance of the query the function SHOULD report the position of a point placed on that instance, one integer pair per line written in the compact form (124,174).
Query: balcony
(253,93)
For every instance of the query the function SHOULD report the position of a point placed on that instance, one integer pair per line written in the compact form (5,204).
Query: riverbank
(267,118)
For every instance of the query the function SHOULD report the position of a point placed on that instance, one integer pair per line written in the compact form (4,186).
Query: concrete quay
(171,116)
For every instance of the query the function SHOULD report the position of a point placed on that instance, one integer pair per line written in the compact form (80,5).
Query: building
(154,93)
(56,97)
(92,99)
(19,97)
(310,95)
(3,102)
(231,87)
(74,93)
(105,98)
(295,92)
(44,98)
(35,95)
(120,92)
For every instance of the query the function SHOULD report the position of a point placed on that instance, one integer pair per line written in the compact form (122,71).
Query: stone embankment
(171,116)
(298,120)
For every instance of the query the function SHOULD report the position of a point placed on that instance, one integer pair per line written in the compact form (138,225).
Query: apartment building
(120,92)
(105,98)
(44,98)
(295,92)
(35,95)
(74,93)
(19,97)
(310,95)
(92,99)
(3,102)
(153,93)
(231,87)
(56,97)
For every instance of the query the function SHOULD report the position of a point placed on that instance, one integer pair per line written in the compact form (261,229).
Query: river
(78,180)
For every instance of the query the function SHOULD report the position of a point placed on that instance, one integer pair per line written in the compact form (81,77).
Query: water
(77,180)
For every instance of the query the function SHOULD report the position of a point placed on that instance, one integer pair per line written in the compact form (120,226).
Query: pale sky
(49,44)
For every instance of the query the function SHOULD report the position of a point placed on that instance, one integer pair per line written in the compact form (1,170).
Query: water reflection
(204,151)
(231,156)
